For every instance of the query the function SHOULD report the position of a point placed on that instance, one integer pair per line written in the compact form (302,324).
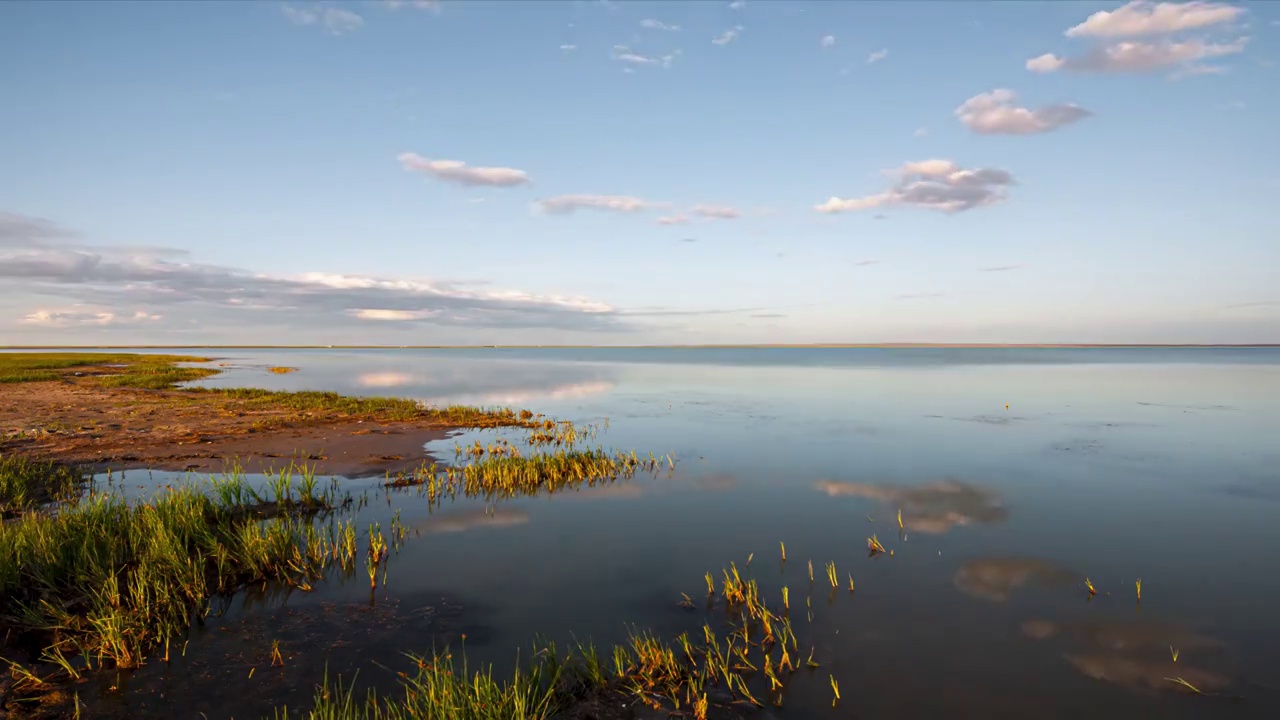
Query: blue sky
(667,172)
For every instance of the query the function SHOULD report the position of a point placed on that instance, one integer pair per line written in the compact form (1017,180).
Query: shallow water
(1112,464)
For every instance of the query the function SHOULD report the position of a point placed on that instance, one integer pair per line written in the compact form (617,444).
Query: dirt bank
(124,428)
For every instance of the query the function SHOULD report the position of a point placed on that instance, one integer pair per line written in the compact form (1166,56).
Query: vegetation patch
(710,676)
(138,368)
(106,582)
(28,484)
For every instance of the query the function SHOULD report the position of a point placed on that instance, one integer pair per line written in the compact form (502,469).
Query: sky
(615,173)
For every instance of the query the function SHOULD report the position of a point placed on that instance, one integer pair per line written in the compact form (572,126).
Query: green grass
(28,484)
(674,677)
(500,476)
(106,582)
(143,371)
(383,408)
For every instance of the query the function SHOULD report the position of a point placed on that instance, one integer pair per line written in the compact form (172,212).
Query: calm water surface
(1156,464)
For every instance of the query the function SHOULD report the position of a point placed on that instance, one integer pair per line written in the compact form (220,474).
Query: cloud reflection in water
(1135,654)
(485,381)
(933,508)
(996,578)
(470,520)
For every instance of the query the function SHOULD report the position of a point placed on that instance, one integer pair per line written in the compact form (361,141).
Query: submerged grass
(643,670)
(748,665)
(106,582)
(28,484)
(509,474)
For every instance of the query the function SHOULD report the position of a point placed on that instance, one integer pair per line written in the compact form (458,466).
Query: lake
(1019,473)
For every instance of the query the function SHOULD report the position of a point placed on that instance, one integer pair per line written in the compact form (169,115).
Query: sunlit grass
(111,369)
(106,582)
(27,484)
(644,670)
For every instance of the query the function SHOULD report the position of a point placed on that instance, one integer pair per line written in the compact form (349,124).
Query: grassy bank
(109,369)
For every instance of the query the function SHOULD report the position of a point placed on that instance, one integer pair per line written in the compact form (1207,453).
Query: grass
(28,484)
(873,545)
(110,369)
(674,676)
(505,473)
(282,370)
(104,583)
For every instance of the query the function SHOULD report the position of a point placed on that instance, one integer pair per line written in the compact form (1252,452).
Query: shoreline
(79,419)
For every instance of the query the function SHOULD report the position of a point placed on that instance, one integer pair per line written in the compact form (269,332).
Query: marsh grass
(874,546)
(111,369)
(106,582)
(28,484)
(316,403)
(282,370)
(642,670)
(744,666)
(507,473)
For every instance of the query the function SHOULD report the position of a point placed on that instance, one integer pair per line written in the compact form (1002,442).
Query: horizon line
(960,345)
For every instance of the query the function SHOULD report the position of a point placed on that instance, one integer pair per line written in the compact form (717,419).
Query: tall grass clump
(28,484)
(105,582)
(505,474)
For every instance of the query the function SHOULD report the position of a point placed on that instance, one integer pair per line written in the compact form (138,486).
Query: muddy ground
(122,428)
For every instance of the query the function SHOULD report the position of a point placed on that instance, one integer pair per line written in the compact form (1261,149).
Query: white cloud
(658,25)
(1142,17)
(877,56)
(728,36)
(737,4)
(340,21)
(624,54)
(456,171)
(673,220)
(827,41)
(1137,57)
(335,19)
(432,5)
(567,48)
(1197,71)
(385,314)
(933,184)
(566,204)
(207,294)
(72,318)
(722,212)
(921,132)
(995,113)
(300,16)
